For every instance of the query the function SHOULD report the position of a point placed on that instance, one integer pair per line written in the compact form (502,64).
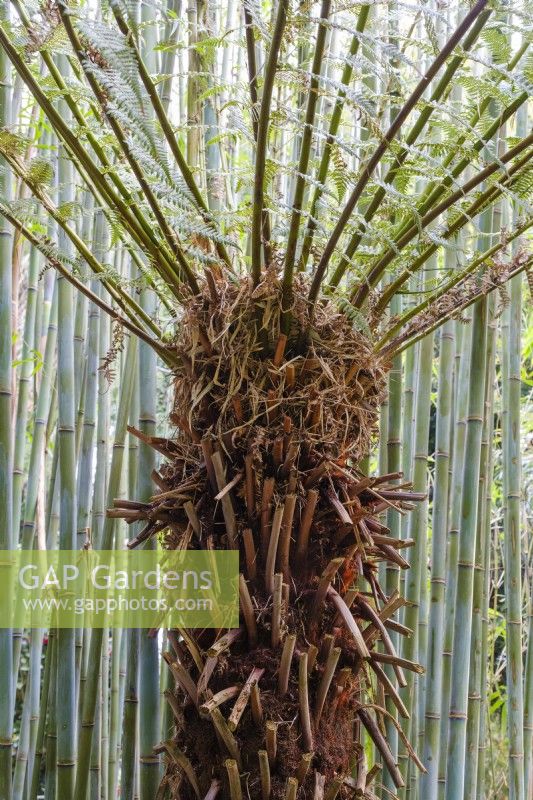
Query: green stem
(522,266)
(334,124)
(370,166)
(262,138)
(375,272)
(436,191)
(483,201)
(166,127)
(90,173)
(303,166)
(457,278)
(399,159)
(168,234)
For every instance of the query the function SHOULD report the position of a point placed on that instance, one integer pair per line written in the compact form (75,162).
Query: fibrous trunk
(265,460)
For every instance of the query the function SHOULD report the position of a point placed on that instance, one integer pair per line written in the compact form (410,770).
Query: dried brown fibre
(236,380)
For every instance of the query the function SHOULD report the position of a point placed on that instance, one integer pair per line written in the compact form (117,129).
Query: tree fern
(269,240)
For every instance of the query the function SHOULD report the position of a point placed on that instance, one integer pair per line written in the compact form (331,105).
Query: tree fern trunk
(299,679)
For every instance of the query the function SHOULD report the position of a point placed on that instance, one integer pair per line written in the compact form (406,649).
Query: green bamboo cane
(486,226)
(104,723)
(392,571)
(227,55)
(52,495)
(115,711)
(417,531)
(66,676)
(91,689)
(91,497)
(193,110)
(122,686)
(420,686)
(81,318)
(461,369)
(456,754)
(168,57)
(50,779)
(86,456)
(418,704)
(95,774)
(129,727)
(98,775)
(148,645)
(6,446)
(149,655)
(82,399)
(102,437)
(210,117)
(511,446)
(101,735)
(528,708)
(41,728)
(21,758)
(130,701)
(27,365)
(408,409)
(408,416)
(382,460)
(35,709)
(488,466)
(477,666)
(165,684)
(30,715)
(439,527)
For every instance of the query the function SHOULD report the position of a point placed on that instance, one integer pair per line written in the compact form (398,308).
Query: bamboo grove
(265,269)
